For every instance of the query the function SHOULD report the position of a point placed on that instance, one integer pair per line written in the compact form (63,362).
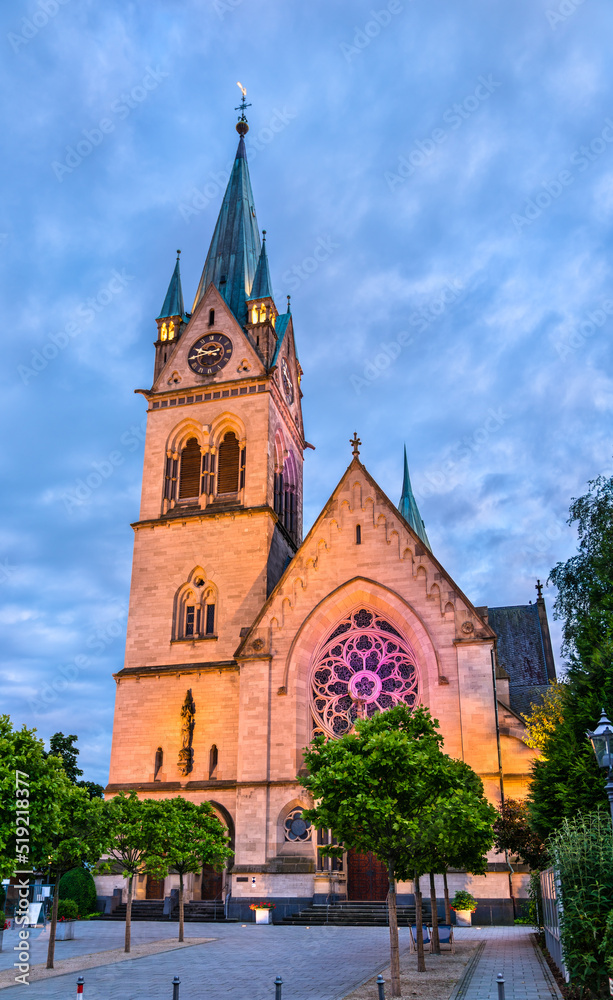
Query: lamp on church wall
(602,742)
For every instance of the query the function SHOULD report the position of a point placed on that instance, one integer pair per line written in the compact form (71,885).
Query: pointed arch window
(195,612)
(171,330)
(189,478)
(286,496)
(229,462)
(164,332)
(213,759)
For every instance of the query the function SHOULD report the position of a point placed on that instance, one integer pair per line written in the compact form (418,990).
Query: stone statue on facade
(186,753)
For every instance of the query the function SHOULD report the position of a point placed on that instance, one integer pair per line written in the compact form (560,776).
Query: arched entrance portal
(212,883)
(367,879)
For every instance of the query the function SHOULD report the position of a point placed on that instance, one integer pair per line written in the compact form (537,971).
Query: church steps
(353,914)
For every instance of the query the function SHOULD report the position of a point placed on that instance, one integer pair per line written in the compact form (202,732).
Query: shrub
(463,901)
(78,884)
(583,853)
(607,944)
(67,909)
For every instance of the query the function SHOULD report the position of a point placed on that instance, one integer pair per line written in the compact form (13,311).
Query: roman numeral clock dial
(209,354)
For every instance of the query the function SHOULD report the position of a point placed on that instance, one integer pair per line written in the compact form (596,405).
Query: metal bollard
(175,988)
(80,984)
(500,984)
(278,987)
(381,987)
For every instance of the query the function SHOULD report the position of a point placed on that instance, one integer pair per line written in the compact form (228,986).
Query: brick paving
(509,950)
(320,963)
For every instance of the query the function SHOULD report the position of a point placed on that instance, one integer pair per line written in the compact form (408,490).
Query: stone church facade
(244,639)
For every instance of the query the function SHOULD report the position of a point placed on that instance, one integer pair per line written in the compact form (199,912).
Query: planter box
(64,930)
(463,918)
(263,916)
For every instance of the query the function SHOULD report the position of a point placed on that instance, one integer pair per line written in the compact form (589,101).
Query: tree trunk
(129,915)
(393,921)
(53,926)
(419,928)
(447,903)
(436,946)
(181,924)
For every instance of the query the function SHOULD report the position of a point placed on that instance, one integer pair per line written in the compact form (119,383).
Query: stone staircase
(354,914)
(198,911)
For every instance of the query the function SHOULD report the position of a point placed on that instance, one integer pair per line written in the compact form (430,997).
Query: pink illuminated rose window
(365,666)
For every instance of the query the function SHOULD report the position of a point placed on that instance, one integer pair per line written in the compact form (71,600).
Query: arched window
(213,757)
(228,467)
(171,330)
(163,332)
(189,479)
(195,611)
(211,317)
(286,496)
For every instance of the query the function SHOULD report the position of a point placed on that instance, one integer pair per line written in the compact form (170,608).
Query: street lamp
(602,742)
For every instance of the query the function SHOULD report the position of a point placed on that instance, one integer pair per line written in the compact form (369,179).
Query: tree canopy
(567,780)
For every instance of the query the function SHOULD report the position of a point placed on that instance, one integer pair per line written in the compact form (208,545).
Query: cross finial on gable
(355,443)
(539,588)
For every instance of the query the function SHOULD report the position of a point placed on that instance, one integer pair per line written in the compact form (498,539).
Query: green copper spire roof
(235,248)
(173,303)
(408,506)
(262,285)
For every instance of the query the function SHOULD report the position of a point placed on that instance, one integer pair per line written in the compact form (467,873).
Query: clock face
(288,385)
(210,354)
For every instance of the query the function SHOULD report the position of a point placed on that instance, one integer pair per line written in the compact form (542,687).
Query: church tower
(221,506)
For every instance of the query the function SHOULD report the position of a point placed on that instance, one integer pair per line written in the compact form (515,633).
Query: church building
(246,638)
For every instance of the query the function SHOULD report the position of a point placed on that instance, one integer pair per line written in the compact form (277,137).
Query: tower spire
(173,303)
(262,285)
(408,505)
(235,248)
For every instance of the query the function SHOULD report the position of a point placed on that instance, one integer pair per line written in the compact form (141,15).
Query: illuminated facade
(243,638)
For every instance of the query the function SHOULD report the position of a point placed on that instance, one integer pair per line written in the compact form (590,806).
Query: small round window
(297,828)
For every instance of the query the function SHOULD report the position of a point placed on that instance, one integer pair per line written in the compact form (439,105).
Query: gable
(244,361)
(389,553)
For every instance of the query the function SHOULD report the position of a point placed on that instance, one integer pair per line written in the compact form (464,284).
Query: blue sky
(455,160)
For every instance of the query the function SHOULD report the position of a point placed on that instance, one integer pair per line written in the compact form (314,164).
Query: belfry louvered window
(189,480)
(228,464)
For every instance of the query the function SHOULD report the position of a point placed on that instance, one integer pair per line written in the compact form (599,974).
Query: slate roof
(280,330)
(408,506)
(521,651)
(262,285)
(233,255)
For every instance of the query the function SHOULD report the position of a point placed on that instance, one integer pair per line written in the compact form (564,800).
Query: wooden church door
(367,879)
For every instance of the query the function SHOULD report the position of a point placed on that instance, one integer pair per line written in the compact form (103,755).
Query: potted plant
(67,913)
(263,912)
(464,905)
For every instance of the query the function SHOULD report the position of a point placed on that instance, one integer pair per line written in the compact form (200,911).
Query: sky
(451,164)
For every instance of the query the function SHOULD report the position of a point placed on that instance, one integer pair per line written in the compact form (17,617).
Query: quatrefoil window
(296,827)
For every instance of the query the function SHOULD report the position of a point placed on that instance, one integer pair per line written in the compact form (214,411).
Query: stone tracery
(365,666)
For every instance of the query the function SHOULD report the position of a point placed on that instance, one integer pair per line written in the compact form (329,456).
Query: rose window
(296,827)
(365,666)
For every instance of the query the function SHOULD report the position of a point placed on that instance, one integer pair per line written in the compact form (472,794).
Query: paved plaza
(318,963)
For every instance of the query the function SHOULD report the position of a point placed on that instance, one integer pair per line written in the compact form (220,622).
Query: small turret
(171,320)
(408,506)
(261,310)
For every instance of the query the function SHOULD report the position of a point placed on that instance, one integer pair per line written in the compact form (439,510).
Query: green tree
(32,788)
(373,787)
(514,834)
(78,884)
(567,780)
(63,747)
(80,839)
(131,836)
(544,718)
(184,836)
(458,829)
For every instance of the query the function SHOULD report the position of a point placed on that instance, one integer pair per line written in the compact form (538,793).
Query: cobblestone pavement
(509,950)
(320,963)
